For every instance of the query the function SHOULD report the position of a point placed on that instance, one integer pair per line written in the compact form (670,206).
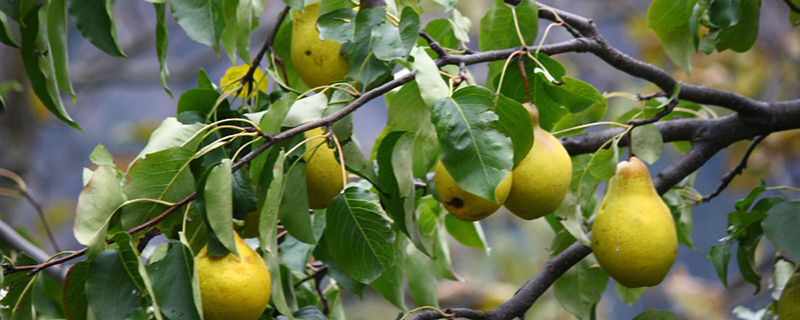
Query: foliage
(232,159)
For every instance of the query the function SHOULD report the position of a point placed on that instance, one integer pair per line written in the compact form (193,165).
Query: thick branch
(749,108)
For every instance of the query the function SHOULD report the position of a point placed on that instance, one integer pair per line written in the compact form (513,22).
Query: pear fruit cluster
(535,188)
(634,236)
(318,62)
(789,303)
(233,287)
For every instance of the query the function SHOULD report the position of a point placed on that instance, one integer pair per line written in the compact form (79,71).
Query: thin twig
(38,208)
(657,94)
(435,46)
(247,80)
(320,270)
(737,170)
(661,114)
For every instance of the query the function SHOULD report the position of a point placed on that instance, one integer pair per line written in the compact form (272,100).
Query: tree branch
(737,170)
(10,237)
(792,6)
(751,109)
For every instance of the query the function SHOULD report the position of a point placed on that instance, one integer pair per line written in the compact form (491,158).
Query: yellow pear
(318,62)
(789,303)
(323,171)
(462,204)
(231,287)
(633,236)
(541,179)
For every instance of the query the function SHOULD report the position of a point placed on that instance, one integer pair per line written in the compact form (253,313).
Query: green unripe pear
(462,204)
(323,171)
(318,62)
(789,303)
(541,179)
(634,236)
(231,287)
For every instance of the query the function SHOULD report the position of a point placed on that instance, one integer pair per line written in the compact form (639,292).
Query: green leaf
(391,284)
(244,200)
(580,289)
(408,112)
(474,151)
(670,21)
(647,143)
(656,315)
(553,102)
(442,31)
(421,281)
(357,163)
(201,100)
(571,219)
(337,25)
(163,175)
(75,302)
(365,68)
(19,292)
(603,164)
(294,213)
(628,295)
(218,196)
(469,234)
(268,235)
(95,21)
(723,13)
(431,86)
(5,32)
(682,212)
(720,258)
(229,33)
(397,180)
(359,234)
(57,37)
(172,282)
(745,258)
(202,20)
(170,134)
(39,66)
(741,36)
(409,28)
(109,289)
(306,110)
(294,253)
(447,4)
(780,227)
(515,122)
(97,203)
(743,204)
(162,44)
(498,30)
(387,43)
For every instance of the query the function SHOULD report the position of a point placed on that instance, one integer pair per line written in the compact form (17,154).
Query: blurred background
(120,102)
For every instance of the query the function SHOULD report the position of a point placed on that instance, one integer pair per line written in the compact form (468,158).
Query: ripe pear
(634,236)
(231,287)
(541,179)
(462,204)
(789,303)
(318,62)
(323,171)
